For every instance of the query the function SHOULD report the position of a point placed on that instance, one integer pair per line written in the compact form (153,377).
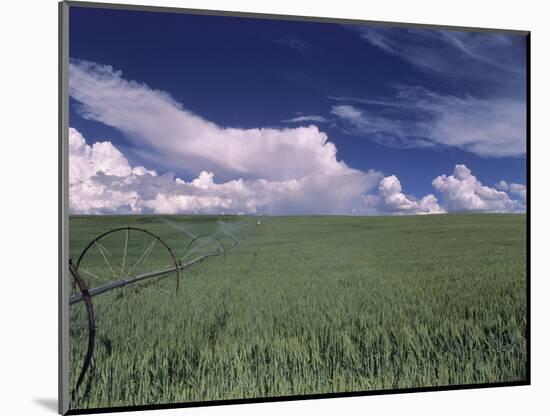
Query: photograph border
(63,206)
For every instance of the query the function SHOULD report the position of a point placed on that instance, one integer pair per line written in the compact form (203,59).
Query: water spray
(121,273)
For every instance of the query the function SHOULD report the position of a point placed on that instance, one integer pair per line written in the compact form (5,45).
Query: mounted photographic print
(259,208)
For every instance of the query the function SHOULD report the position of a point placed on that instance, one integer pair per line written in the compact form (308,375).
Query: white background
(28,194)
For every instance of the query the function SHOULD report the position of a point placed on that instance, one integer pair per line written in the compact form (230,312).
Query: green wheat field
(303,305)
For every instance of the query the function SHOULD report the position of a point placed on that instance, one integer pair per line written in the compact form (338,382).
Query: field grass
(309,305)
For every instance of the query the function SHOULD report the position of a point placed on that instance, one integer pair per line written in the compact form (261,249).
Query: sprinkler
(104,266)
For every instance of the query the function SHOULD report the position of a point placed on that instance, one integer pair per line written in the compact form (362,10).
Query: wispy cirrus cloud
(292,42)
(401,134)
(470,92)
(488,127)
(310,181)
(366,101)
(455,54)
(307,118)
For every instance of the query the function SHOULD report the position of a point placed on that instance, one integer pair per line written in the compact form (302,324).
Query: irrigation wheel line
(86,292)
(81,284)
(96,242)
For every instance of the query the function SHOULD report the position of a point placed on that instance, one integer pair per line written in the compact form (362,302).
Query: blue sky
(405,103)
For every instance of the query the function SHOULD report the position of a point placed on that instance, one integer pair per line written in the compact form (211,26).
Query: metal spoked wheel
(122,253)
(114,256)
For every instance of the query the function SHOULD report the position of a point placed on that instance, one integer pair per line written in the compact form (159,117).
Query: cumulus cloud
(391,200)
(165,130)
(102,181)
(513,188)
(275,171)
(462,191)
(288,170)
(102,158)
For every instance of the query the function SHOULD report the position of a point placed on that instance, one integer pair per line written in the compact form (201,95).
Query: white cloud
(289,170)
(392,200)
(307,118)
(293,42)
(492,127)
(101,180)
(487,127)
(276,171)
(463,192)
(164,130)
(491,121)
(85,163)
(383,130)
(349,113)
(490,56)
(513,188)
